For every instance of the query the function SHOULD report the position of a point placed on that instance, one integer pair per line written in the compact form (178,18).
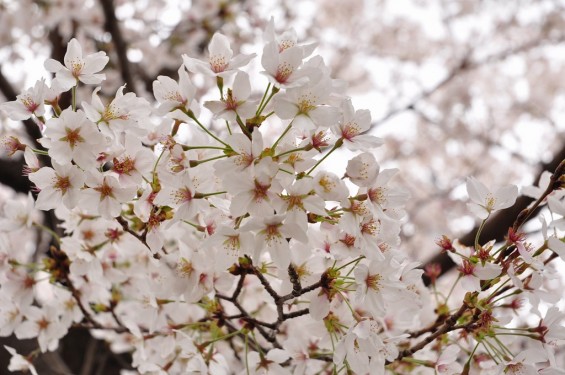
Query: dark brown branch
(141,238)
(448,326)
(497,227)
(112,26)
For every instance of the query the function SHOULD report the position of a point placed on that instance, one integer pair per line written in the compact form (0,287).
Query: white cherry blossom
(78,68)
(484,201)
(220,61)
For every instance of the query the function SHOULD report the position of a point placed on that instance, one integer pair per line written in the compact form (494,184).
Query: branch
(497,227)
(112,26)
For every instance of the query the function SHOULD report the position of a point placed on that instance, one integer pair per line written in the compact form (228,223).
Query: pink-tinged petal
(277,355)
(43,177)
(292,56)
(270,58)
(319,306)
(284,108)
(324,116)
(477,191)
(241,60)
(304,122)
(470,283)
(92,79)
(315,205)
(71,198)
(348,111)
(155,240)
(280,255)
(26,330)
(220,45)
(363,119)
(66,80)
(505,196)
(488,271)
(165,89)
(556,206)
(53,66)
(295,231)
(557,246)
(187,89)
(239,205)
(62,153)
(241,86)
(48,199)
(246,110)
(73,54)
(16,110)
(477,210)
(95,62)
(215,106)
(196,66)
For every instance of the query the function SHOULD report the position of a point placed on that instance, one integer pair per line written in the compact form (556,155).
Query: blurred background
(456,88)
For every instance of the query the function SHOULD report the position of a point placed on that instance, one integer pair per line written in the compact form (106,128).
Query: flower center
(284,71)
(218,63)
(124,166)
(62,183)
(373,281)
(73,137)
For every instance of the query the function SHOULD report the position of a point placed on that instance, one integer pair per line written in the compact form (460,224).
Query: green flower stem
(356,260)
(40,152)
(74,97)
(191,115)
(194,163)
(187,148)
(289,152)
(335,147)
(282,136)
(154,172)
(274,90)
(48,230)
(263,99)
(243,127)
(479,233)
(204,195)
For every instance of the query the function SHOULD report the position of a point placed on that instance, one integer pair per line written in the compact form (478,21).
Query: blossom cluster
(213,240)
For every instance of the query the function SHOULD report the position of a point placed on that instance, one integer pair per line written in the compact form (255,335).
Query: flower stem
(48,230)
(263,99)
(191,115)
(335,147)
(74,98)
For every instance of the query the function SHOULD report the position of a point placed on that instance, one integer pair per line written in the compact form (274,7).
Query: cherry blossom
(231,246)
(473,271)
(484,202)
(28,103)
(44,324)
(60,184)
(66,138)
(19,362)
(375,283)
(104,195)
(174,97)
(220,61)
(351,129)
(305,105)
(283,68)
(78,68)
(235,102)
(125,113)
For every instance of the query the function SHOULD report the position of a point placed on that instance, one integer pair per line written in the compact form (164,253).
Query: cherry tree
(197,227)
